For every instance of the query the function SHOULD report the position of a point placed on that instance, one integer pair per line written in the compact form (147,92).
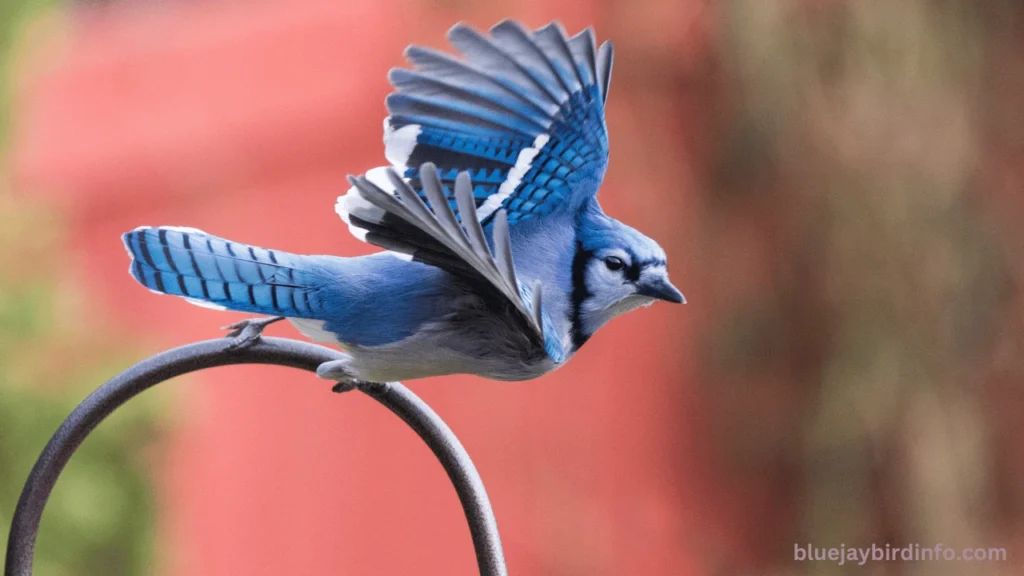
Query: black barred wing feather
(397,218)
(521,111)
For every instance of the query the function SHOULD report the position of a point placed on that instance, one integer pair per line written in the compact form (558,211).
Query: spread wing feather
(522,111)
(431,230)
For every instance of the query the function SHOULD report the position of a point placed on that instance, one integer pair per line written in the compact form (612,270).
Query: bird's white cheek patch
(605,287)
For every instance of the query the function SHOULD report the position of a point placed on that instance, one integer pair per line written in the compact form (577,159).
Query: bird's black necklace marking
(579,293)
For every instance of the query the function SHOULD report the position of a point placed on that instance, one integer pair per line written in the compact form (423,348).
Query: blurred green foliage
(13,15)
(100,519)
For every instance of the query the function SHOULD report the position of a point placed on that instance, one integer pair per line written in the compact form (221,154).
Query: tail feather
(217,273)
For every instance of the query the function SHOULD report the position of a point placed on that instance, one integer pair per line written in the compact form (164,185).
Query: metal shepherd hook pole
(247,348)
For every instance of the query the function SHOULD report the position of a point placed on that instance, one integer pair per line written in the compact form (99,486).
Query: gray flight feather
(552,40)
(503,247)
(467,206)
(416,208)
(481,51)
(466,241)
(536,304)
(448,109)
(584,51)
(433,62)
(604,68)
(456,91)
(439,202)
(522,45)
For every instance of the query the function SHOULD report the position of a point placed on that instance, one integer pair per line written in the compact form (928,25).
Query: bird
(497,260)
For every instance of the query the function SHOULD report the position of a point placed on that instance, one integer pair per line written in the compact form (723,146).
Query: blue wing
(522,112)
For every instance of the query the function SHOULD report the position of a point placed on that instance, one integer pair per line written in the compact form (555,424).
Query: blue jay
(498,258)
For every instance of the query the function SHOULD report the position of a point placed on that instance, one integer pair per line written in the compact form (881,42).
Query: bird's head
(616,269)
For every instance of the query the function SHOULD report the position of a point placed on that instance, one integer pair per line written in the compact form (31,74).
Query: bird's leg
(247,332)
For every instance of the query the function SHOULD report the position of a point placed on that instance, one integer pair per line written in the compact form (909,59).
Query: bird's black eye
(614,263)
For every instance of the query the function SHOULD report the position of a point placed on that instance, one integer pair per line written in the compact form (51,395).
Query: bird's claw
(247,332)
(345,386)
(368,387)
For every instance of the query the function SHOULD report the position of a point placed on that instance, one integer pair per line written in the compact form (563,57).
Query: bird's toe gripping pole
(247,332)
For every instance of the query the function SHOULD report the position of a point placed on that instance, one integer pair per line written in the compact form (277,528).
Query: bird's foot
(247,332)
(338,371)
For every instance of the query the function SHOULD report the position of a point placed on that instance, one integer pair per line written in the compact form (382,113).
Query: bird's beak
(661,289)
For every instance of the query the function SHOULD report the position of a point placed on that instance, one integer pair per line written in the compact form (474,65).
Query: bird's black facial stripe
(579,293)
(633,271)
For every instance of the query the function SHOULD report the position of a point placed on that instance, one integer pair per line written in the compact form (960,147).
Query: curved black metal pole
(223,352)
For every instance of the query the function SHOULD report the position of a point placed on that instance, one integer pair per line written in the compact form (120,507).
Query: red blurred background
(703,439)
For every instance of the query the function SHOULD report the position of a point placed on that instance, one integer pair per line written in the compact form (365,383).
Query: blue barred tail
(218,273)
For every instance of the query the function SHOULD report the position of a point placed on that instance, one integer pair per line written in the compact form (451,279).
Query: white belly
(420,356)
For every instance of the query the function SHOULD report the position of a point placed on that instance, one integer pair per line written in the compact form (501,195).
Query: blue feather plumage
(500,261)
